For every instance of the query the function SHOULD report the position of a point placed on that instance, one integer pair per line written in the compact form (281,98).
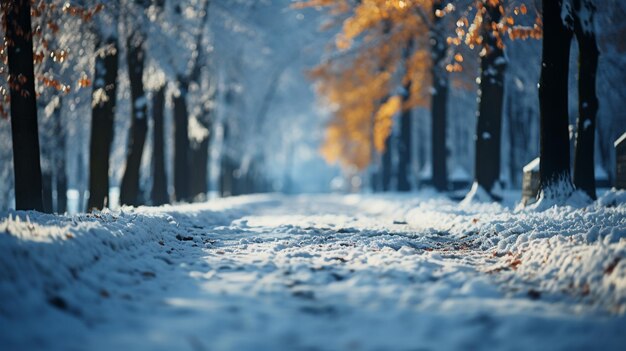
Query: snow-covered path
(316,272)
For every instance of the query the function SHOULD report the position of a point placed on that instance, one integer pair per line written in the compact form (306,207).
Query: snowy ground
(323,272)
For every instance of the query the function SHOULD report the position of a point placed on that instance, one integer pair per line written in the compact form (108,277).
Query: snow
(620,140)
(99,97)
(532,166)
(316,272)
(476,194)
(196,131)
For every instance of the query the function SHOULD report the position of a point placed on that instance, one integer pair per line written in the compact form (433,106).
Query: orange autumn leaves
(365,83)
(472,33)
(46,18)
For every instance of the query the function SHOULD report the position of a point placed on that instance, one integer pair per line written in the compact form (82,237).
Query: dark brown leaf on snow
(148,274)
(609,269)
(534,294)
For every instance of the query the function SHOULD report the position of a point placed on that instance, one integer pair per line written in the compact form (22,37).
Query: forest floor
(316,272)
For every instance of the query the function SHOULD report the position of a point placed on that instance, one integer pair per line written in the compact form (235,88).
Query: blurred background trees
(157,101)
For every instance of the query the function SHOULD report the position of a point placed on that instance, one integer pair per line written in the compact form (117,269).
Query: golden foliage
(361,84)
(473,33)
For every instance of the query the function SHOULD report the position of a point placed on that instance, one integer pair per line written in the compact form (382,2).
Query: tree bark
(46,187)
(584,165)
(181,144)
(404,147)
(199,175)
(197,155)
(102,123)
(130,192)
(26,158)
(404,151)
(375,175)
(386,165)
(406,131)
(58,167)
(490,100)
(512,133)
(226,176)
(158,194)
(438,103)
(80,179)
(61,183)
(555,179)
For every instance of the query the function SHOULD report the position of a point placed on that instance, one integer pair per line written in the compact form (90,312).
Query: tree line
(54,49)
(394,56)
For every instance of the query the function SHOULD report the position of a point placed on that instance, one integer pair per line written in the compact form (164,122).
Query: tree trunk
(130,192)
(80,179)
(226,177)
(555,181)
(237,177)
(375,176)
(519,138)
(181,144)
(404,145)
(102,123)
(61,183)
(159,194)
(200,160)
(192,160)
(46,187)
(58,167)
(406,131)
(198,173)
(226,172)
(490,100)
(386,166)
(584,165)
(438,104)
(26,159)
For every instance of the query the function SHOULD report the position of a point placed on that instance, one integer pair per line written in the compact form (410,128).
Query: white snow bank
(327,272)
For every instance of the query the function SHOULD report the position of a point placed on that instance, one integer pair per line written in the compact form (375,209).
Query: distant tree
(102,120)
(491,98)
(583,13)
(159,193)
(406,129)
(26,159)
(59,162)
(439,152)
(181,141)
(364,83)
(42,59)
(487,32)
(386,171)
(611,29)
(187,186)
(130,193)
(555,178)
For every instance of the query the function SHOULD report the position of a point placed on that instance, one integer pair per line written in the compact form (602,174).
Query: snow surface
(316,272)
(532,166)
